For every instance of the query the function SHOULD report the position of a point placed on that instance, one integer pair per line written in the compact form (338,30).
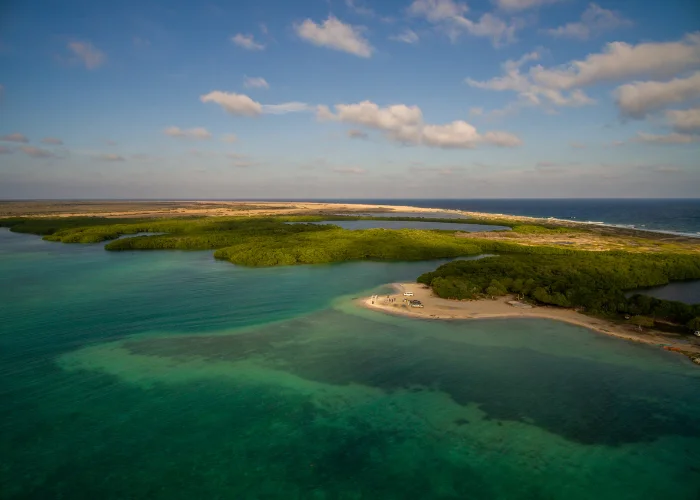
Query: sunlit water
(171,375)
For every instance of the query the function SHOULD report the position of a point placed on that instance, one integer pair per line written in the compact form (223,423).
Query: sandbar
(438,308)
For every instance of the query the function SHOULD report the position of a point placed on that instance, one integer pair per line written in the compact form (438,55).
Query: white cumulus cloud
(255,83)
(437,10)
(359,9)
(685,121)
(336,35)
(530,93)
(620,61)
(637,99)
(502,139)
(450,17)
(192,133)
(563,86)
(406,36)
(285,107)
(242,105)
(594,20)
(235,104)
(247,42)
(402,123)
(458,134)
(518,5)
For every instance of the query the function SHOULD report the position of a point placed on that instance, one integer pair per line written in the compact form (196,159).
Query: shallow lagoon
(681,291)
(438,215)
(172,375)
(391,224)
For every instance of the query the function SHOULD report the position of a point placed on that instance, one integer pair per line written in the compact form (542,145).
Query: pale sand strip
(228,208)
(437,308)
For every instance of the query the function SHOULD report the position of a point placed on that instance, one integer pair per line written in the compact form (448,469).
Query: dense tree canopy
(596,281)
(562,276)
(272,241)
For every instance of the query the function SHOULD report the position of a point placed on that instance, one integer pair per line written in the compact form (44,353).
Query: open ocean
(674,215)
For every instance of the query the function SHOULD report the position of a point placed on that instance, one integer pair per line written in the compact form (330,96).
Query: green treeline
(288,244)
(271,241)
(338,245)
(251,241)
(73,229)
(46,226)
(95,229)
(596,281)
(559,276)
(198,233)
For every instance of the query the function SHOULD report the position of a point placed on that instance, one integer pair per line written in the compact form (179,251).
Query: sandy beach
(443,309)
(193,208)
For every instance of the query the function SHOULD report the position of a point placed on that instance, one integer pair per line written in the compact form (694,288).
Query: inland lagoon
(173,375)
(390,224)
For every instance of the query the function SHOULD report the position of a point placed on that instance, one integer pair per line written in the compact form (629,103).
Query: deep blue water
(677,215)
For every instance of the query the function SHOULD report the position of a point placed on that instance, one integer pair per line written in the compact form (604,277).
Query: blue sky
(349,98)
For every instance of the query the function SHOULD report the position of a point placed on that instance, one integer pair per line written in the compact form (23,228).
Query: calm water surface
(681,291)
(391,224)
(437,215)
(171,375)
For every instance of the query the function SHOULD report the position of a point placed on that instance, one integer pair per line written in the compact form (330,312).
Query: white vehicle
(408,294)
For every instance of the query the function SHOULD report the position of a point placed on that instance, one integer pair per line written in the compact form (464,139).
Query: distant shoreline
(444,309)
(565,222)
(212,208)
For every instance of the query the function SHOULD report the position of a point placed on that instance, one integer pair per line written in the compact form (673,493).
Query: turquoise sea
(169,375)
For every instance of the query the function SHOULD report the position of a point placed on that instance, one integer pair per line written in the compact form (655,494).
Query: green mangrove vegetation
(561,276)
(594,281)
(44,226)
(95,229)
(271,241)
